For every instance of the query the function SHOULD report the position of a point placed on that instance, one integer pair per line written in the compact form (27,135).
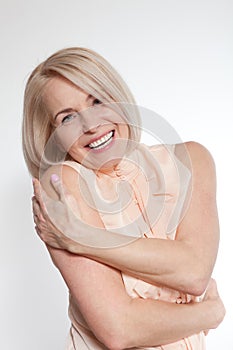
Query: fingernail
(54,177)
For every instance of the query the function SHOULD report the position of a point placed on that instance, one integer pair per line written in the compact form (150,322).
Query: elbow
(199,287)
(114,336)
(115,342)
(114,346)
(119,339)
(196,285)
(117,336)
(194,278)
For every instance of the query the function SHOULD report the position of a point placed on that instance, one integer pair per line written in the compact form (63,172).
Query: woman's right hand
(215,304)
(45,227)
(59,226)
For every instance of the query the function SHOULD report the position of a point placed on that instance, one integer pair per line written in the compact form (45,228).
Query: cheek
(77,152)
(68,134)
(124,131)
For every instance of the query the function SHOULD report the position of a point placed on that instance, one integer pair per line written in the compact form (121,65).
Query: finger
(38,231)
(58,186)
(37,188)
(38,222)
(35,206)
(41,196)
(40,219)
(47,239)
(38,191)
(40,234)
(37,211)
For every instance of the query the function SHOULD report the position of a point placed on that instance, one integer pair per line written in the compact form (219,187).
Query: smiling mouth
(102,142)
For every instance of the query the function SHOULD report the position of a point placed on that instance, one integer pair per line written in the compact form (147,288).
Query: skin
(66,102)
(162,261)
(113,322)
(186,263)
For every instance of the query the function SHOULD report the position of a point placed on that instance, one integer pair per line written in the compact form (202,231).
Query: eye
(68,118)
(96,101)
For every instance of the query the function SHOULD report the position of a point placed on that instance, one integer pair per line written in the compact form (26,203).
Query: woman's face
(91,132)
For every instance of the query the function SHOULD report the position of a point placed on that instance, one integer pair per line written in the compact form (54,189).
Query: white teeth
(102,142)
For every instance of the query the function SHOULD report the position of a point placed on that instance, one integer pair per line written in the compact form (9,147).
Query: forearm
(157,261)
(121,322)
(153,322)
(185,264)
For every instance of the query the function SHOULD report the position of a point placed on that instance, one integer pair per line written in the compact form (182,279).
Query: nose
(90,122)
(91,130)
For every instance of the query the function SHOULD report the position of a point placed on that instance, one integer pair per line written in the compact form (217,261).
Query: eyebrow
(68,110)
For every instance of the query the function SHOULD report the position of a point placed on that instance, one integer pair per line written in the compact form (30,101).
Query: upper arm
(98,291)
(199,227)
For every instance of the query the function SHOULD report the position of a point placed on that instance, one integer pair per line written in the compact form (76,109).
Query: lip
(104,148)
(99,137)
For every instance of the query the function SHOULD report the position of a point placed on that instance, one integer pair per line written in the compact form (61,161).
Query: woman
(79,114)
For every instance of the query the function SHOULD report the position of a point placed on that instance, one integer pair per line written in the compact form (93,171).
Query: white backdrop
(177,58)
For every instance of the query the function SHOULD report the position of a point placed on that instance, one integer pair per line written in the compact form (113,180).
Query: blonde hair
(87,70)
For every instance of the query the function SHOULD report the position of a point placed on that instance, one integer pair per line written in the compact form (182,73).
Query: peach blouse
(159,190)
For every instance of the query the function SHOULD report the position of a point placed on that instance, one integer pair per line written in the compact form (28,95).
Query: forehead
(61,93)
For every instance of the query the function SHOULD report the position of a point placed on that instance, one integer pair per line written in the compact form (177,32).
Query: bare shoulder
(69,177)
(200,161)
(199,152)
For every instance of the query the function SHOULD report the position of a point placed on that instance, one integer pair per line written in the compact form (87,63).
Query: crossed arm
(119,321)
(184,264)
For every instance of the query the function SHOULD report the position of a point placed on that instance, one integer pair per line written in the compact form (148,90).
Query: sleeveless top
(158,180)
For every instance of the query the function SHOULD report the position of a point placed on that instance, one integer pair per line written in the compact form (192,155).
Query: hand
(46,230)
(215,303)
(59,226)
